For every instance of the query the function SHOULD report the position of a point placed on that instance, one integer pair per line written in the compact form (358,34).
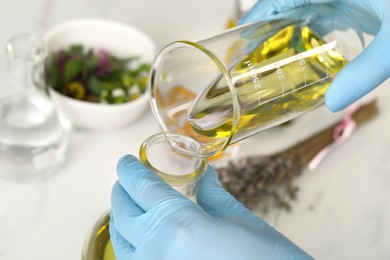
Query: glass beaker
(32,142)
(247,79)
(180,171)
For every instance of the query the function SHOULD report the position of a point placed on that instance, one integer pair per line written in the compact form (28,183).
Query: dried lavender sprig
(268,180)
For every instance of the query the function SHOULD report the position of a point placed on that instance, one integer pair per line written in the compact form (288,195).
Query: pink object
(340,134)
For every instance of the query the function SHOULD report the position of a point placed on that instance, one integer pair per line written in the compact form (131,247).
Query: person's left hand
(150,220)
(367,71)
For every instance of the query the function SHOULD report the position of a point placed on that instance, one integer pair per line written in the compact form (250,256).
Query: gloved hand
(370,68)
(150,220)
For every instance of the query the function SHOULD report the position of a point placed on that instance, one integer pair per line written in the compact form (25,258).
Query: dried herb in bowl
(96,76)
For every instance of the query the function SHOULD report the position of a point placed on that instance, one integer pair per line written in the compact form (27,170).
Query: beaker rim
(224,71)
(185,178)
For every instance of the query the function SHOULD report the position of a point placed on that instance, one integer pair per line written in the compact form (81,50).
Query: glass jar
(33,143)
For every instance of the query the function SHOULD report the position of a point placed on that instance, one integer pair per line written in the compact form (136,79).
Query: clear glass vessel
(98,245)
(32,142)
(218,91)
(180,171)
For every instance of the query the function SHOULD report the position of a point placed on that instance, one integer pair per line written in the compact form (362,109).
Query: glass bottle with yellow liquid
(212,93)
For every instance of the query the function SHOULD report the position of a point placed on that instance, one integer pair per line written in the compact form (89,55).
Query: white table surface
(49,220)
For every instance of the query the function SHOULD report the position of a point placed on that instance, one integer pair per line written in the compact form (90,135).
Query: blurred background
(162,21)
(342,211)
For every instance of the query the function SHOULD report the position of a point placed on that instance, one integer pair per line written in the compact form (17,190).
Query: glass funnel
(32,142)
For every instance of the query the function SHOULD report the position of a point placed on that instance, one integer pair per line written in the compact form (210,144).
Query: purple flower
(104,64)
(103,54)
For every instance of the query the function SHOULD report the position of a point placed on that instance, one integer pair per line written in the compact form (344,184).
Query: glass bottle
(32,142)
(180,171)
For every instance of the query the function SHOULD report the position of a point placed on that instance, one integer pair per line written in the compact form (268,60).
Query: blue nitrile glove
(150,220)
(370,68)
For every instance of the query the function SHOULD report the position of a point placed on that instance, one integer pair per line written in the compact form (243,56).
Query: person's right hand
(370,68)
(151,220)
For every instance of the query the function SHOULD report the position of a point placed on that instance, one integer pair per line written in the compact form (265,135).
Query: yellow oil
(109,251)
(99,246)
(272,96)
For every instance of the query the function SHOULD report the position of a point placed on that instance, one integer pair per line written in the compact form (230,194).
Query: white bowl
(120,40)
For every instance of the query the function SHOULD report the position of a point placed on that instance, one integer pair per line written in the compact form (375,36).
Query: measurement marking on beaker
(303,55)
(279,72)
(255,79)
(302,63)
(259,97)
(307,85)
(311,83)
